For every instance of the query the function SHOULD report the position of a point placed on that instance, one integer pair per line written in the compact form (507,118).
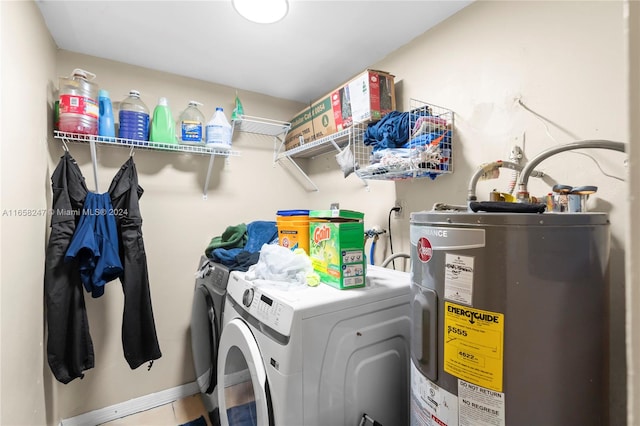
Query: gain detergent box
(336,247)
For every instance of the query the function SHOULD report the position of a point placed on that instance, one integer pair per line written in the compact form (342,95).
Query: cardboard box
(336,247)
(365,98)
(324,123)
(313,122)
(301,126)
(341,106)
(371,95)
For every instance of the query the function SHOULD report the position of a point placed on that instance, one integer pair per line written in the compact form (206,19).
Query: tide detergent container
(78,103)
(134,118)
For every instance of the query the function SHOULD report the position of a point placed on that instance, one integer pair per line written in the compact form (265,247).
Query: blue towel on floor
(200,421)
(243,415)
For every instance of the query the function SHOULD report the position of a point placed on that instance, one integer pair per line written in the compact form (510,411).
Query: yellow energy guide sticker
(473,345)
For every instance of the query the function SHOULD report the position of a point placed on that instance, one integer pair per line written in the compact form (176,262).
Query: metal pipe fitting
(529,167)
(471,191)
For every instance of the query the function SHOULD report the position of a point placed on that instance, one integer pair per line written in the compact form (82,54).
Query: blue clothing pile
(392,131)
(239,256)
(95,244)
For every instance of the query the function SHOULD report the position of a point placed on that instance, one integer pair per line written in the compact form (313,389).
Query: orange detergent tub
(293,229)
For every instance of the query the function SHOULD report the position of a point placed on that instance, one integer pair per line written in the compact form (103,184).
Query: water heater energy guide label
(473,345)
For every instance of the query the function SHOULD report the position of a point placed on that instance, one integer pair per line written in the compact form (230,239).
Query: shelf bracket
(94,162)
(299,169)
(311,149)
(206,181)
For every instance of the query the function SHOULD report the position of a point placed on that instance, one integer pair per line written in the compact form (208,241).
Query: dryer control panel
(261,305)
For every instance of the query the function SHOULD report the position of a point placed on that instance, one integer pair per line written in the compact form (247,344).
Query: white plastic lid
(87,75)
(194,103)
(163,102)
(134,93)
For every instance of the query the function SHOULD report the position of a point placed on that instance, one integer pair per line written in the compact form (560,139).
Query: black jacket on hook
(69,345)
(139,339)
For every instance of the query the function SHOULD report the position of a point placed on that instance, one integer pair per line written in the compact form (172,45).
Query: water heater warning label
(479,406)
(458,278)
(473,345)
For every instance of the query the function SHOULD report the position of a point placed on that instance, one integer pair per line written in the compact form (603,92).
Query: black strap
(506,207)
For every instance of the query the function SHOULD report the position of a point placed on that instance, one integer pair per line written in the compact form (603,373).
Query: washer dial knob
(247,297)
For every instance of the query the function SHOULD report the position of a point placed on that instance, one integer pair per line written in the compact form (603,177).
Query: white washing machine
(316,355)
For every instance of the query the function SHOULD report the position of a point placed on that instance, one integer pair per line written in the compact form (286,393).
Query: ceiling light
(262,11)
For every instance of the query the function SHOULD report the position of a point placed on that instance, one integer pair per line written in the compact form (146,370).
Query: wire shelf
(262,126)
(425,151)
(137,144)
(333,142)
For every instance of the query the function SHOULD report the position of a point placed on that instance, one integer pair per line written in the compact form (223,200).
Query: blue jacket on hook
(95,244)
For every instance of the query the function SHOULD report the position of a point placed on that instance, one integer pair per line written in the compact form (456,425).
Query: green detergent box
(336,247)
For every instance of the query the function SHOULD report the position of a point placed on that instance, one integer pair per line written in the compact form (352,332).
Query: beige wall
(476,63)
(28,64)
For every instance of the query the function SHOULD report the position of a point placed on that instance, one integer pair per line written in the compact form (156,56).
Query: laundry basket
(422,148)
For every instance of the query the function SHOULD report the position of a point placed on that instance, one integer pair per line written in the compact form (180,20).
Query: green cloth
(233,237)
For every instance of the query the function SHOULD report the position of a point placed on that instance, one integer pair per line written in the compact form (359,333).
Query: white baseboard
(132,406)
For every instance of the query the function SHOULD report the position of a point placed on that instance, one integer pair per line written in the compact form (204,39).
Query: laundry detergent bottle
(134,118)
(106,124)
(190,126)
(162,125)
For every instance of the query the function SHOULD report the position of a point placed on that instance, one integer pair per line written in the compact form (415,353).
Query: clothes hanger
(64,145)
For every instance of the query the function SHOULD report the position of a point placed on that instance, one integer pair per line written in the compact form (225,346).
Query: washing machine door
(243,393)
(204,338)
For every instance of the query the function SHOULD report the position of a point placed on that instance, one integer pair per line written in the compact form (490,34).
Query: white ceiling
(317,47)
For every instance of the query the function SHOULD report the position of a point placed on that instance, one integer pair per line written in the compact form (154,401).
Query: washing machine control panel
(261,305)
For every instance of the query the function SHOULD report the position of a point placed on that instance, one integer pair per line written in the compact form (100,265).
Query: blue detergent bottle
(134,118)
(106,123)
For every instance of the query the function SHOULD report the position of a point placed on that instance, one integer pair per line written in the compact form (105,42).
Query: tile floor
(173,414)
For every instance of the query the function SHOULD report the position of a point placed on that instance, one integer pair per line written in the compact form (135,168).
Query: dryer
(315,355)
(206,325)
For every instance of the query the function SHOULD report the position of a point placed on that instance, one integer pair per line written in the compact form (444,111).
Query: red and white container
(79,103)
